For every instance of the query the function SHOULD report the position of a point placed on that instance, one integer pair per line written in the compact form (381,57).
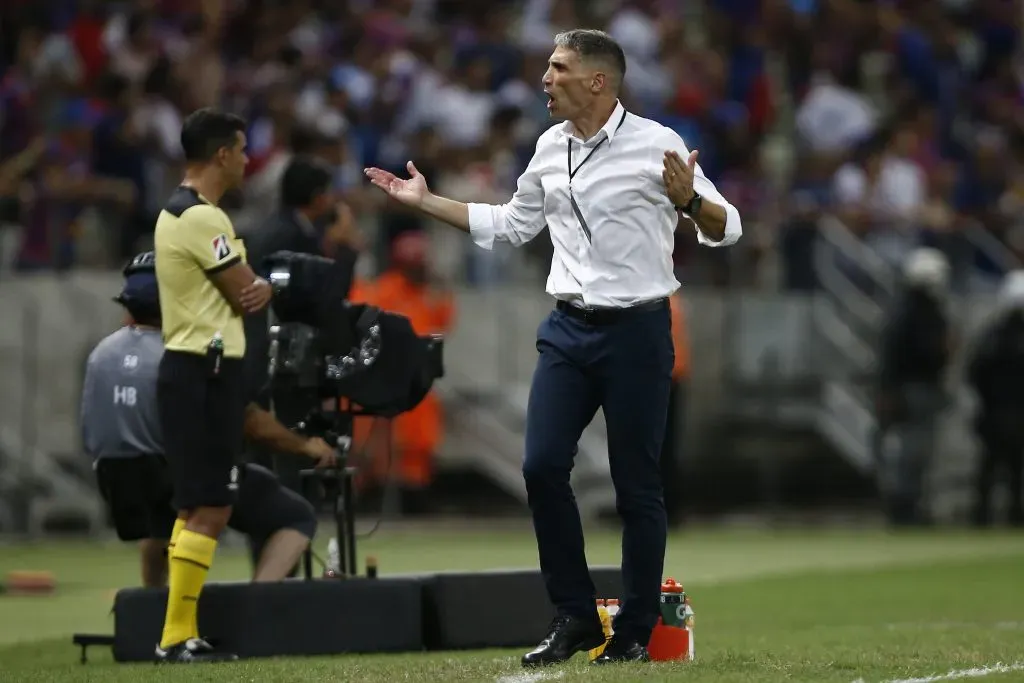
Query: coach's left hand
(678,177)
(321,451)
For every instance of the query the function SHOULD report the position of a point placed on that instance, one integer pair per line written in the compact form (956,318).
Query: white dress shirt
(616,250)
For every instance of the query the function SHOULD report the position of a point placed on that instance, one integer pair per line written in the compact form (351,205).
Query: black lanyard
(572,173)
(568,150)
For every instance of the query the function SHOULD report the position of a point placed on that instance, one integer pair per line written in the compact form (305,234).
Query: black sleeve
(345,261)
(254,252)
(889,351)
(262,243)
(257,349)
(981,360)
(344,257)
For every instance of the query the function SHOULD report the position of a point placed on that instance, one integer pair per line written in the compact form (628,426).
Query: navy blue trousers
(625,369)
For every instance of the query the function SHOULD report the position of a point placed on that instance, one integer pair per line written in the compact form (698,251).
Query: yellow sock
(179,525)
(190,561)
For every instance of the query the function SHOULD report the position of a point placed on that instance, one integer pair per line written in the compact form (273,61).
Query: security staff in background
(996,372)
(916,348)
(310,221)
(121,432)
(206,287)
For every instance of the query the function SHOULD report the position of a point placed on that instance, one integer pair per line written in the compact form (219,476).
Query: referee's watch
(692,207)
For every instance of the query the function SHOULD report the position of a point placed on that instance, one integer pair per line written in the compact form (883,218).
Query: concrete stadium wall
(48,324)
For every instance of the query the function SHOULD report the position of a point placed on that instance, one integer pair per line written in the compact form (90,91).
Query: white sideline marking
(950,625)
(955,674)
(531,678)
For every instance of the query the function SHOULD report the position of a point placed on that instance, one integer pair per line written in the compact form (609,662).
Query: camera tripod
(338,488)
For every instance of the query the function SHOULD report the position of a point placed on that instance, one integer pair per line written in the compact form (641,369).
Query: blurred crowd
(908,125)
(903,117)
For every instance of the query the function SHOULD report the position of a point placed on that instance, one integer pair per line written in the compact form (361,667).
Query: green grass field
(799,605)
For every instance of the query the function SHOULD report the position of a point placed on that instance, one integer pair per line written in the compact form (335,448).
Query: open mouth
(551,100)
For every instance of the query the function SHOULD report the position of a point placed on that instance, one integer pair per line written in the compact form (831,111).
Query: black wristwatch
(692,208)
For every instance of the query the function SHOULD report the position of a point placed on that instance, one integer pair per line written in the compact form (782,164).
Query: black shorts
(138,492)
(201,418)
(264,507)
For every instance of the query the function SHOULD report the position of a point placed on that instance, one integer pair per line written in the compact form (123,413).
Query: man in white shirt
(609,186)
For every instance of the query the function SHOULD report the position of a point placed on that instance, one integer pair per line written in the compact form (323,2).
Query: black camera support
(337,486)
(328,346)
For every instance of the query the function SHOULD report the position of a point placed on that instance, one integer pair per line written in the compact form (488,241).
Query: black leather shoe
(623,649)
(568,636)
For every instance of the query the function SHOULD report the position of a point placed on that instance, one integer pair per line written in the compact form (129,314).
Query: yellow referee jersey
(193,240)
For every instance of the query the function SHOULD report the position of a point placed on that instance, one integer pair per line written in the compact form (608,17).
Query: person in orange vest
(671,462)
(405,288)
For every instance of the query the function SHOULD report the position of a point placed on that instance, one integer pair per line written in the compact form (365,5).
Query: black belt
(609,316)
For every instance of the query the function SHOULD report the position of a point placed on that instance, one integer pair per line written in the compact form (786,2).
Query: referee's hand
(255,296)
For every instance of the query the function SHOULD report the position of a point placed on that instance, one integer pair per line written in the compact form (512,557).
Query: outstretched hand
(409,192)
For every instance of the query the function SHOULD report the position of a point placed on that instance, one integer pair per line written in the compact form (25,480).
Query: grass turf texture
(809,605)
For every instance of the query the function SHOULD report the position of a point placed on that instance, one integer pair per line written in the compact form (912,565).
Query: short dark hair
(207,130)
(591,43)
(304,179)
(304,140)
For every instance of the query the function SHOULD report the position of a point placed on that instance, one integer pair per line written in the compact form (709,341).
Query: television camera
(342,360)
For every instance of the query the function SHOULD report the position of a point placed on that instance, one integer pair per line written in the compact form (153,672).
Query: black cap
(140,287)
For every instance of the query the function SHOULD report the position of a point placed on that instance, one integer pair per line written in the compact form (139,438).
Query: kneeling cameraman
(121,431)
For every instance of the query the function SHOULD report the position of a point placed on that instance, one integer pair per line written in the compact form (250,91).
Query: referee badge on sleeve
(221,247)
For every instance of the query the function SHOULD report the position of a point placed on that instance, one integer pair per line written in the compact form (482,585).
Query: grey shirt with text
(119,417)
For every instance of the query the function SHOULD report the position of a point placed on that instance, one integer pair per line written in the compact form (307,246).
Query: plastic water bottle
(687,613)
(333,568)
(673,610)
(672,637)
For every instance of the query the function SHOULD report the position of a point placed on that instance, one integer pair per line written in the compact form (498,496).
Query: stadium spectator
(920,101)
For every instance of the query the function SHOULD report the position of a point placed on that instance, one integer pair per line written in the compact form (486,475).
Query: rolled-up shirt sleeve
(670,140)
(518,221)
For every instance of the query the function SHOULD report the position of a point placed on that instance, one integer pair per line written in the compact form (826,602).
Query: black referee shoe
(192,651)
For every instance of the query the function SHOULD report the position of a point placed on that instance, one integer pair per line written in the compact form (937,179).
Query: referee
(121,432)
(610,187)
(206,287)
